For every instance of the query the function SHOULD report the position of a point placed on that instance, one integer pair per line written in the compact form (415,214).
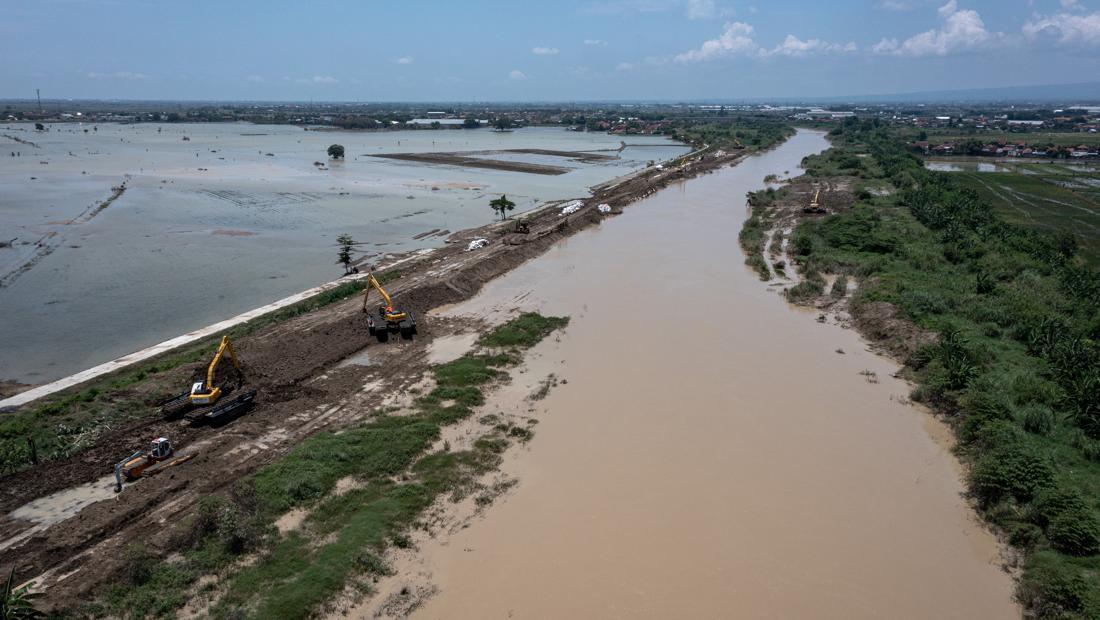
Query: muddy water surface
(711,454)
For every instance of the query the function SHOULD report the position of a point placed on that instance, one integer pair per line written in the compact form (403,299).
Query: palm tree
(16,604)
(344,258)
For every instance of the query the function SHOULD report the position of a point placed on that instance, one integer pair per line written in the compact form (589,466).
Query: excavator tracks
(228,408)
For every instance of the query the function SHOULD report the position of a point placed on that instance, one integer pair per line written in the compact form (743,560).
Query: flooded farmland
(711,451)
(206,221)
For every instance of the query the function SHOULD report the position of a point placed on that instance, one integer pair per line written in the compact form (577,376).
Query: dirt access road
(73,538)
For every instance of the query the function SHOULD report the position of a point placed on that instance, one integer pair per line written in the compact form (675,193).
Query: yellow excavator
(203,402)
(142,464)
(387,319)
(815,205)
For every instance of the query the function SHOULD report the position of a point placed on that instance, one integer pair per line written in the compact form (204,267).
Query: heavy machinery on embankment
(142,464)
(387,319)
(815,206)
(211,400)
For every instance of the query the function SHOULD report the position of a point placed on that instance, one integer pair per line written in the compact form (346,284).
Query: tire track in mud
(50,241)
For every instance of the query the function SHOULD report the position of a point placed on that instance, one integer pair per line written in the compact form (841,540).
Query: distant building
(437,115)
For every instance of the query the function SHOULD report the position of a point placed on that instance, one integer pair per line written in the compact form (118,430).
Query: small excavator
(815,205)
(387,319)
(204,401)
(159,457)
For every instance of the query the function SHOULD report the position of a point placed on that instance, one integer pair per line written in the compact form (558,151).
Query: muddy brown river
(711,455)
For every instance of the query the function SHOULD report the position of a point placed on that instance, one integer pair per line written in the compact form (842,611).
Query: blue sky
(385,50)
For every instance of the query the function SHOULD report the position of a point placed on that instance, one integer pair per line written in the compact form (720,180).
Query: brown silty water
(711,454)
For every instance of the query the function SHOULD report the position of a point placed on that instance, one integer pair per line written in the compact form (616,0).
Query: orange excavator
(387,319)
(142,464)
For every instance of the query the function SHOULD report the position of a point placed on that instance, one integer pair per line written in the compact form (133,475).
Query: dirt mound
(886,325)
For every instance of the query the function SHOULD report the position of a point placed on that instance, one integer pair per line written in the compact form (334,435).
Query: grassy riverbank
(1016,365)
(360,490)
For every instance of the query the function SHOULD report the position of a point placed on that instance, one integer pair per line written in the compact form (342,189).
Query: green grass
(1016,368)
(1038,200)
(1042,138)
(344,535)
(524,331)
(754,231)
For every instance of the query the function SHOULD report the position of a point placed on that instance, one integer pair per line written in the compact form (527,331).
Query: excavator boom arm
(226,345)
(372,282)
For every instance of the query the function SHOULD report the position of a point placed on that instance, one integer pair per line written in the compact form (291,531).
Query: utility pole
(38,93)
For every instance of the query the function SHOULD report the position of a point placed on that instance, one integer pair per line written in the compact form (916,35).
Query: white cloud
(625,66)
(516,74)
(736,39)
(700,9)
(1068,29)
(545,51)
(613,7)
(254,78)
(903,5)
(595,42)
(797,48)
(117,75)
(961,30)
(885,46)
(739,39)
(324,79)
(404,60)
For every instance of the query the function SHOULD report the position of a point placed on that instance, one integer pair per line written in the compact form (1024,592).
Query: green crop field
(1068,138)
(1047,196)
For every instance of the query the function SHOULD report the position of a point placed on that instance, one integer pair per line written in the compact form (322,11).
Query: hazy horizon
(578,50)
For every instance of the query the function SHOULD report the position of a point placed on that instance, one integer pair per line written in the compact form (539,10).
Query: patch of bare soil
(302,389)
(453,159)
(11,388)
(232,233)
(581,156)
(885,325)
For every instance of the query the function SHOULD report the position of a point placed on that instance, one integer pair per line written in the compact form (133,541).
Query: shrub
(1053,502)
(137,564)
(1037,419)
(1052,588)
(808,288)
(1075,531)
(840,287)
(1017,470)
(1025,536)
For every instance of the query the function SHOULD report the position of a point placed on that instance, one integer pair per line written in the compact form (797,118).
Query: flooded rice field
(711,451)
(206,221)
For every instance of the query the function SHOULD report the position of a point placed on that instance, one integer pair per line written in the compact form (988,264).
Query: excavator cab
(388,319)
(208,392)
(158,457)
(160,449)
